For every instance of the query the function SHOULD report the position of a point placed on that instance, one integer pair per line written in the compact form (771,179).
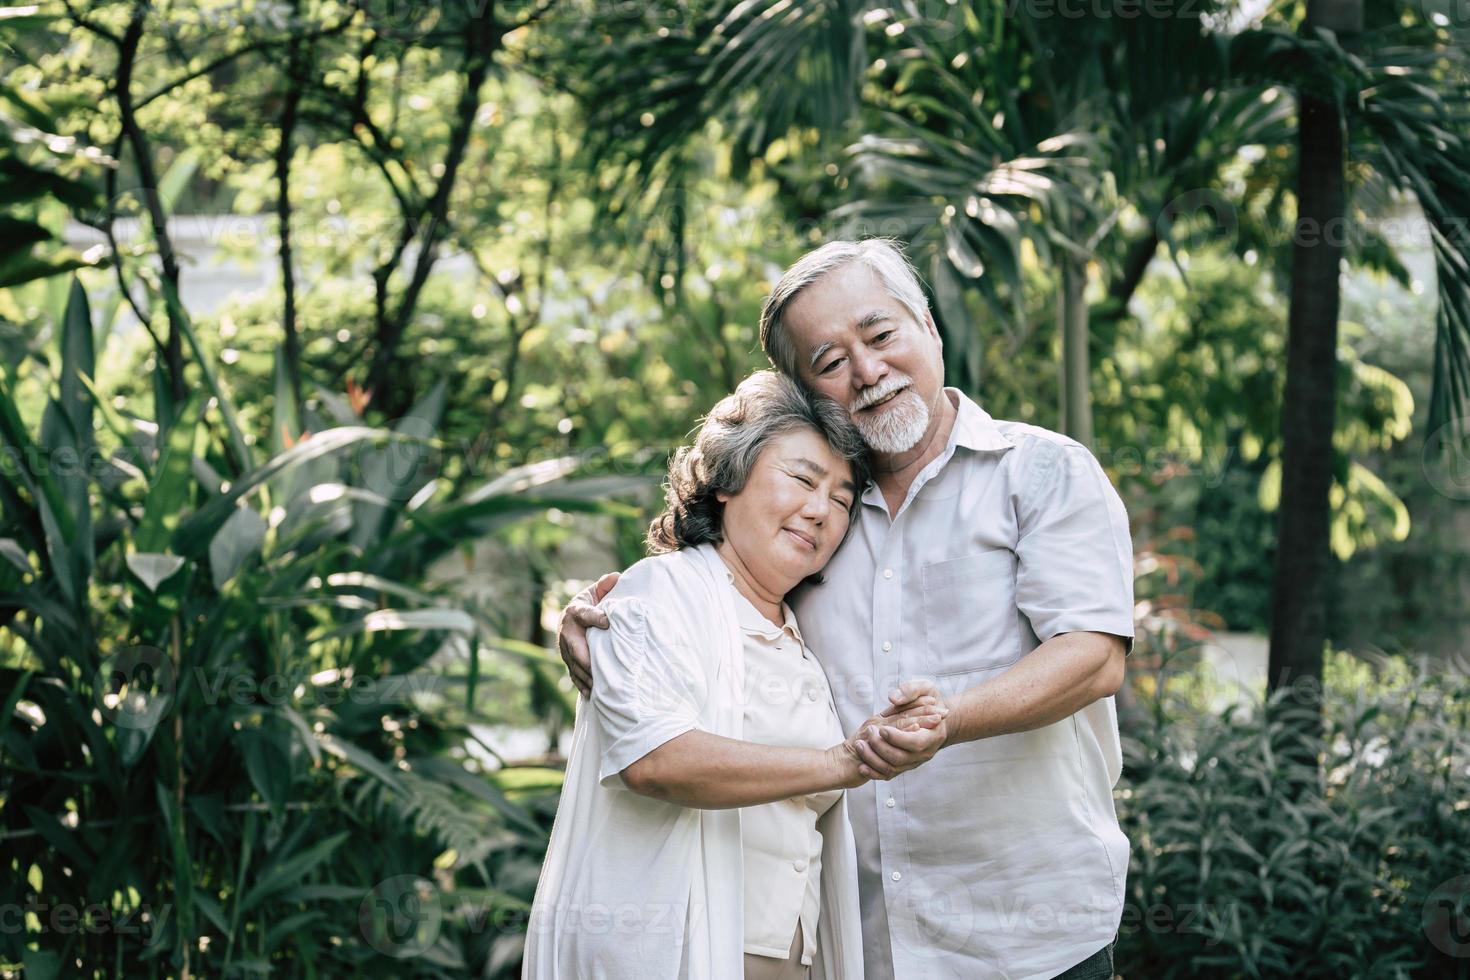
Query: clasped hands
(903,736)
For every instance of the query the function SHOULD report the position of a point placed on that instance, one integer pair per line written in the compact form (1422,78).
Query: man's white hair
(883,255)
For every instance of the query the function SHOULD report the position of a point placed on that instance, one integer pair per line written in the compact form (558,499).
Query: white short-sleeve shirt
(1001,857)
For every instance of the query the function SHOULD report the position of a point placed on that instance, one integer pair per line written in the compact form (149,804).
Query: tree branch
(142,153)
(482,38)
(108,217)
(225,59)
(90,25)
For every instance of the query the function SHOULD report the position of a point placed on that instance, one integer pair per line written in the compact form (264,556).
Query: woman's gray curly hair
(729,442)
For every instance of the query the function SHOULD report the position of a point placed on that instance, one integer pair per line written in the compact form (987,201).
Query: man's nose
(867,370)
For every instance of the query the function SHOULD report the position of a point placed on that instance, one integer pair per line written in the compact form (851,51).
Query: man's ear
(934,330)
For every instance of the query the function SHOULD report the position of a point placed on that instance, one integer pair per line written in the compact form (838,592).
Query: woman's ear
(722,496)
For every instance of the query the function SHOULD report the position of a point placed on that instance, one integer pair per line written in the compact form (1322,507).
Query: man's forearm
(711,772)
(1057,679)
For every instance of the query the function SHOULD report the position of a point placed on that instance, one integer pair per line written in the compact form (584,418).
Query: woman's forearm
(711,772)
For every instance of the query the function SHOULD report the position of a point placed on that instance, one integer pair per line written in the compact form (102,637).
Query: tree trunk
(1076,398)
(392,386)
(152,201)
(289,334)
(1309,408)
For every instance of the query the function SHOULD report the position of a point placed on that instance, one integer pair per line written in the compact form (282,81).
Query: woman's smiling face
(793,510)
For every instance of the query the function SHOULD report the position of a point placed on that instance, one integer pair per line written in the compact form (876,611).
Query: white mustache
(879,392)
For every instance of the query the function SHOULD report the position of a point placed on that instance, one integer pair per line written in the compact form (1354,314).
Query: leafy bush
(235,699)
(1246,865)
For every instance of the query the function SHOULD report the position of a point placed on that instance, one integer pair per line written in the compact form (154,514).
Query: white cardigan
(629,880)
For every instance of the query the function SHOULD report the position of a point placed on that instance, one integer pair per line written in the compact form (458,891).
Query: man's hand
(911,695)
(580,615)
(906,734)
(923,709)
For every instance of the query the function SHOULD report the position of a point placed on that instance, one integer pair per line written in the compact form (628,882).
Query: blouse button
(890,802)
(799,864)
(888,573)
(897,876)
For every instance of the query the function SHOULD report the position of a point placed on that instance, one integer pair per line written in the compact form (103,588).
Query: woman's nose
(817,507)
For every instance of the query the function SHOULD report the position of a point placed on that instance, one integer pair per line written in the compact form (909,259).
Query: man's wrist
(955,728)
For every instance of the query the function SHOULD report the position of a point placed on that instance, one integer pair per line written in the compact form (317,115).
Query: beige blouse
(786,703)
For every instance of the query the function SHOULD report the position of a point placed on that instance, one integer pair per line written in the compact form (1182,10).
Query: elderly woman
(702,831)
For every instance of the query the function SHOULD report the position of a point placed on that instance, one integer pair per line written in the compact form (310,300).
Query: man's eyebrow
(864,322)
(817,354)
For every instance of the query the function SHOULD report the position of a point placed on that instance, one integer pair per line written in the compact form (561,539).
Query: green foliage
(1188,403)
(231,691)
(630,179)
(1235,543)
(1405,595)
(1245,864)
(42,174)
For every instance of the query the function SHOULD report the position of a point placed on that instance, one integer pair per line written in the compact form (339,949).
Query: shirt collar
(974,428)
(751,620)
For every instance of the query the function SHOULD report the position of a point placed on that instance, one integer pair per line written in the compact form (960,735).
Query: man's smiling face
(861,347)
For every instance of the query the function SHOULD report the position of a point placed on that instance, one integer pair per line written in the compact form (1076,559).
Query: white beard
(899,428)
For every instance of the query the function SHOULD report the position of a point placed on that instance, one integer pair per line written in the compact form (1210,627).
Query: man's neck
(895,472)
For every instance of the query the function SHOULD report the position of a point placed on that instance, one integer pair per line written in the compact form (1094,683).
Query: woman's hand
(846,765)
(906,734)
(924,711)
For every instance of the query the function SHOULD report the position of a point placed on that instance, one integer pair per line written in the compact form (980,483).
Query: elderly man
(993,559)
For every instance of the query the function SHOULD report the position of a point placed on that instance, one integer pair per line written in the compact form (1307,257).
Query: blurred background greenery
(344,341)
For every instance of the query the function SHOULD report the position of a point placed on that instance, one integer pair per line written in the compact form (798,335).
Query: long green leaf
(283,874)
(195,531)
(169,495)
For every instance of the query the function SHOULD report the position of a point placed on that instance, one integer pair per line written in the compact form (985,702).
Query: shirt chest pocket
(970,613)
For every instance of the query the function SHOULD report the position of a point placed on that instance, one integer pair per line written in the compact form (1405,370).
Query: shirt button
(799,864)
(897,875)
(887,646)
(888,573)
(890,802)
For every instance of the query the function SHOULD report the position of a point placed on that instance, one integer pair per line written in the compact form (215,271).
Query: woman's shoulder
(668,579)
(668,598)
